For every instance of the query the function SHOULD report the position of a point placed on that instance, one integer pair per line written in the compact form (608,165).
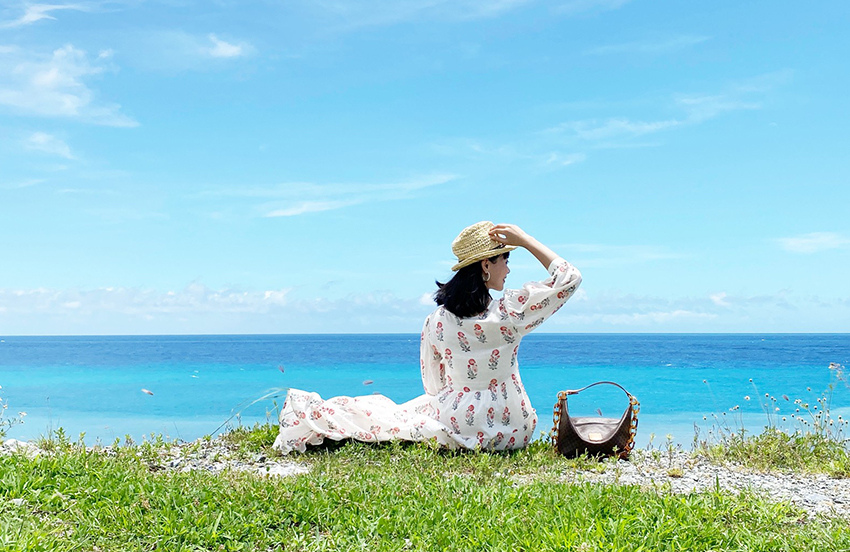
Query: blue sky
(273,167)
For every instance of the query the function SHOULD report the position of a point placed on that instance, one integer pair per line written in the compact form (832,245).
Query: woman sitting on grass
(474,397)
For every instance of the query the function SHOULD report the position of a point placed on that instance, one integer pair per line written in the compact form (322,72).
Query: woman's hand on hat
(509,234)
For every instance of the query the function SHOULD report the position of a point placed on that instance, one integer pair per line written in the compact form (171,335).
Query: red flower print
(506,416)
(479,333)
(472,369)
(493,388)
(470,415)
(464,343)
(494,359)
(517,385)
(456,402)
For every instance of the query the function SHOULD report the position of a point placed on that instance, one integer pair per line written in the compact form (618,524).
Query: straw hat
(474,244)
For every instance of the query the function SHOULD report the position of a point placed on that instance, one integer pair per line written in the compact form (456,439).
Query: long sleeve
(430,362)
(528,307)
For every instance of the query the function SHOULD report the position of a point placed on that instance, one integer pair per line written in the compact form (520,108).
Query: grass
(366,497)
(808,438)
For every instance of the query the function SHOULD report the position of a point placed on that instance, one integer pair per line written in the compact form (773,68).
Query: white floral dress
(474,396)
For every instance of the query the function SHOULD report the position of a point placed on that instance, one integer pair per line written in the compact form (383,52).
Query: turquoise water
(94,384)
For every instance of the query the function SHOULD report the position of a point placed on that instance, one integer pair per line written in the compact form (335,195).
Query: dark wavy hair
(466,294)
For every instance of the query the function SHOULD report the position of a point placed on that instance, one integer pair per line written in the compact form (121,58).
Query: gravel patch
(682,473)
(211,456)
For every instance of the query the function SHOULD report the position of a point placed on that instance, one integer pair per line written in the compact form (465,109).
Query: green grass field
(366,497)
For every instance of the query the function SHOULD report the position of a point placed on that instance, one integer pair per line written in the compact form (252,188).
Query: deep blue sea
(94,384)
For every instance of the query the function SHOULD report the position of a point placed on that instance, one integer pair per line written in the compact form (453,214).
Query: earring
(486,277)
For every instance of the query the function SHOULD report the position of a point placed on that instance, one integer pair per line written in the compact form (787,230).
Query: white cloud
(525,150)
(175,50)
(47,143)
(199,309)
(645,320)
(37,12)
(194,298)
(574,7)
(719,299)
(298,198)
(303,207)
(565,160)
(21,184)
(702,108)
(222,49)
(814,242)
(54,86)
(366,13)
(649,46)
(694,108)
(614,128)
(594,255)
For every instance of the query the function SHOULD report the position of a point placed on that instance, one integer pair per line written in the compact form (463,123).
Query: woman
(474,397)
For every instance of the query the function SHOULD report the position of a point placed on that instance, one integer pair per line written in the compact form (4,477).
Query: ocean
(197,385)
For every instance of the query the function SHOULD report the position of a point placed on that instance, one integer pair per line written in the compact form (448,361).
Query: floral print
(458,409)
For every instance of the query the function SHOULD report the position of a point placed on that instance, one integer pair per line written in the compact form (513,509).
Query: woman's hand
(509,234)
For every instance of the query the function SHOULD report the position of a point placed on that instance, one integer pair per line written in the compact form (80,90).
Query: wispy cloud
(575,7)
(176,50)
(198,308)
(814,242)
(55,86)
(28,183)
(298,198)
(615,128)
(650,47)
(371,13)
(37,12)
(719,299)
(694,109)
(609,310)
(588,255)
(540,155)
(222,49)
(194,298)
(47,143)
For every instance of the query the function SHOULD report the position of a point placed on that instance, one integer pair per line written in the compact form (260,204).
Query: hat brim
(483,255)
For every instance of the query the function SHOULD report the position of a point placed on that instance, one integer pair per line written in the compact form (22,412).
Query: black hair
(466,294)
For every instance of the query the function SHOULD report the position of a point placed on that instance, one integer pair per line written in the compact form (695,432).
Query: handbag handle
(577,391)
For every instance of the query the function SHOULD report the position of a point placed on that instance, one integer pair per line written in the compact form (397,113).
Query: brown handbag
(594,435)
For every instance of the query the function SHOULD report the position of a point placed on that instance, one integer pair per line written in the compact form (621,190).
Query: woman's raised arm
(511,234)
